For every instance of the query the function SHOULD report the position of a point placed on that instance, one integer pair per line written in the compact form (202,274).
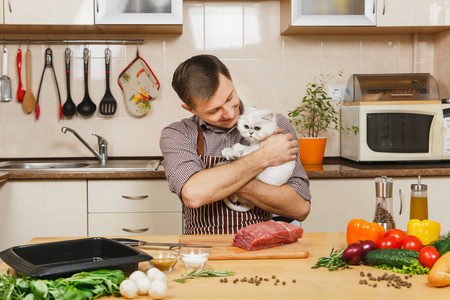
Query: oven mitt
(139,86)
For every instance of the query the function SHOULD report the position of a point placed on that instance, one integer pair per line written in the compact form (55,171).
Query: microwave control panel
(446,124)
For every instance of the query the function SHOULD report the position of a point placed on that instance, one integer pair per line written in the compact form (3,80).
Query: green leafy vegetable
(202,273)
(443,244)
(84,285)
(416,269)
(333,262)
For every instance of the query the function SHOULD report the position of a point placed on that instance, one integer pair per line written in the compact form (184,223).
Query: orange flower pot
(312,150)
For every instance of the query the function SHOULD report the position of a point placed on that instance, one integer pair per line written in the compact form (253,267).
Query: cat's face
(256,124)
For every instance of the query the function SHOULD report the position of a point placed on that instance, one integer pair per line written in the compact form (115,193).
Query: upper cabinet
(92,16)
(125,15)
(48,12)
(413,13)
(1,11)
(364,16)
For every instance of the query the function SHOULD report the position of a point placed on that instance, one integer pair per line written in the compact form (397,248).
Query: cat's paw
(230,154)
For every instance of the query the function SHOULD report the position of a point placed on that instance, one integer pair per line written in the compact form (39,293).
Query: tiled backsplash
(269,71)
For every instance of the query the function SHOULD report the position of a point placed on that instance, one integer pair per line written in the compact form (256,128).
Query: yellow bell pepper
(427,231)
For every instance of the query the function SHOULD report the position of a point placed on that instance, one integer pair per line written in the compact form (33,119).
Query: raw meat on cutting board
(266,235)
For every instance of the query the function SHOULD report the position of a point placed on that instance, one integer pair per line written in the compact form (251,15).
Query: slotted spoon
(108,105)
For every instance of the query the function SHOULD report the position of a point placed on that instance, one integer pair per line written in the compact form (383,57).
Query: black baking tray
(63,259)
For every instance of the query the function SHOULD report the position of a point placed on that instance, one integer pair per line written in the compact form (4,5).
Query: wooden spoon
(29,101)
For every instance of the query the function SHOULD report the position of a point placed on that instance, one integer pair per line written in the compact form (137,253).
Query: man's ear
(189,109)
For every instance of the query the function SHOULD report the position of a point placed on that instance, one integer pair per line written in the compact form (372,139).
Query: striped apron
(216,217)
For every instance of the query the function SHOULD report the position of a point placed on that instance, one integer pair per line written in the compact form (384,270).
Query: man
(192,147)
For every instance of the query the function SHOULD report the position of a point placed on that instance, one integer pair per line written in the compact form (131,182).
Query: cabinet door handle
(373,11)
(135,197)
(9,5)
(135,230)
(384,7)
(97,5)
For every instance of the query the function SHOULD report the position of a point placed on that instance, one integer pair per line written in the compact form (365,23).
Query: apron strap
(200,140)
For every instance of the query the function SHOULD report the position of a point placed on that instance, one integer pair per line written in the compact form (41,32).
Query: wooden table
(310,283)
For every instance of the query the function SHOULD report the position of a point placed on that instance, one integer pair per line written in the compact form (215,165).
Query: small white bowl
(194,259)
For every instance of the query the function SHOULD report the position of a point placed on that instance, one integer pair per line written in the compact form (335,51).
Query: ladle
(86,107)
(69,108)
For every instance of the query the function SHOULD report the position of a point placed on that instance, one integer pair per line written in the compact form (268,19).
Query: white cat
(255,125)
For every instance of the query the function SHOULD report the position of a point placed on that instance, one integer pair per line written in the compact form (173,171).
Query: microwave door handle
(402,95)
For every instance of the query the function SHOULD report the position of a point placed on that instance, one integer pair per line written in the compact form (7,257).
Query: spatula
(20,89)
(108,105)
(29,101)
(5,81)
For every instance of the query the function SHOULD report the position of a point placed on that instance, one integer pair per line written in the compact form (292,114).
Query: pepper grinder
(383,206)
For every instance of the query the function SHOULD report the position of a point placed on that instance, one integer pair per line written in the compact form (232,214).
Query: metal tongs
(48,63)
(131,242)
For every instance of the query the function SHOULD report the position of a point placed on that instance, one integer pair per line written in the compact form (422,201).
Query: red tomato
(389,242)
(397,233)
(411,242)
(428,256)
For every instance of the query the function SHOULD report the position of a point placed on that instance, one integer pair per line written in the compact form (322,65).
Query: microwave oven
(411,131)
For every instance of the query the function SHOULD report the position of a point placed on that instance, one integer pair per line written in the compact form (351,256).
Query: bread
(440,273)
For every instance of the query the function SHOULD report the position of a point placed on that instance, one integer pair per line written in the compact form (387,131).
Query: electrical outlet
(336,92)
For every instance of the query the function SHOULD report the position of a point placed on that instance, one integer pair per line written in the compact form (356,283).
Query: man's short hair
(198,78)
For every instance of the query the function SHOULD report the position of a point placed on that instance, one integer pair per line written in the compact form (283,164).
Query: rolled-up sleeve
(180,157)
(299,180)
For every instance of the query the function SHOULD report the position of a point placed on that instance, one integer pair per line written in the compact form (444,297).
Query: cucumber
(391,257)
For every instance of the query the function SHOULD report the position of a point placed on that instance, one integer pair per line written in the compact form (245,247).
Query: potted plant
(315,115)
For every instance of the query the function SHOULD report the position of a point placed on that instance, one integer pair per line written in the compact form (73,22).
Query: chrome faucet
(102,154)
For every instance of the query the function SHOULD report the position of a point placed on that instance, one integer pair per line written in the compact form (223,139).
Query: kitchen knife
(131,242)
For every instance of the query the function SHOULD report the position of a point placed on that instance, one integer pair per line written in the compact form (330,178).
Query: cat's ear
(269,116)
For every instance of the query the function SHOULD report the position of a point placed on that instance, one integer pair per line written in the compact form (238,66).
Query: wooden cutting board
(223,249)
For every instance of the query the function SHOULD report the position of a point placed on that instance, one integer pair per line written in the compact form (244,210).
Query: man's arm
(281,200)
(216,183)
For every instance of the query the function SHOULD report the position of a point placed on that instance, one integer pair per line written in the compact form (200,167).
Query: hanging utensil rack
(72,42)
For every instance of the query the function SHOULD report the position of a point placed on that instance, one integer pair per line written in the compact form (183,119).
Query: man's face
(222,110)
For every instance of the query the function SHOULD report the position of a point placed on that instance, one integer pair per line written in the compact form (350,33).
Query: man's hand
(279,148)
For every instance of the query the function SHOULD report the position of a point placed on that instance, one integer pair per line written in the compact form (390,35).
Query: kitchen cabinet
(413,13)
(40,208)
(124,207)
(48,12)
(1,11)
(336,201)
(92,16)
(392,17)
(151,15)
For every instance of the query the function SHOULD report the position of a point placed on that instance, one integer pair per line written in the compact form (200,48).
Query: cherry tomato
(428,255)
(397,233)
(411,242)
(389,242)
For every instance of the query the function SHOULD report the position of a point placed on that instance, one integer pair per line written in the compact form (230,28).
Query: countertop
(332,168)
(310,283)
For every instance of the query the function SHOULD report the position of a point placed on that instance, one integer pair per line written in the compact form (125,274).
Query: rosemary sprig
(196,274)
(332,262)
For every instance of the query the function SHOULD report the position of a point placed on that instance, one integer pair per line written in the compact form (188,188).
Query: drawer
(118,224)
(131,196)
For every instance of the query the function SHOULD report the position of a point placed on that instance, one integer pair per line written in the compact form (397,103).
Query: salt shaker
(384,205)
(419,201)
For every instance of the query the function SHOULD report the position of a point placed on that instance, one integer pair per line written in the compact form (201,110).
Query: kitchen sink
(81,165)
(43,165)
